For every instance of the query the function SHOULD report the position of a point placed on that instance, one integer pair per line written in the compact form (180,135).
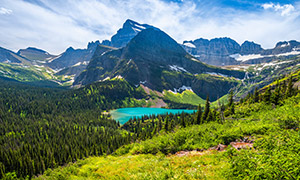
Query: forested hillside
(44,128)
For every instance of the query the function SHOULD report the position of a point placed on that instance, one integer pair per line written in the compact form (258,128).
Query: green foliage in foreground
(141,167)
(275,156)
(198,137)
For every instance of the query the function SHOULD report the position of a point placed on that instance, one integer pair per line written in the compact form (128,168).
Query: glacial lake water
(124,114)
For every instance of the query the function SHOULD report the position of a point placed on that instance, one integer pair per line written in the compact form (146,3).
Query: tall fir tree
(199,115)
(267,95)
(289,89)
(256,95)
(206,109)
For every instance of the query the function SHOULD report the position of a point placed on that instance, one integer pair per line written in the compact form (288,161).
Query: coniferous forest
(44,128)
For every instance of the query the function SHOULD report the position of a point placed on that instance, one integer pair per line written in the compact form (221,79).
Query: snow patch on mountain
(81,63)
(244,58)
(216,74)
(285,45)
(188,44)
(177,68)
(183,88)
(50,60)
(288,53)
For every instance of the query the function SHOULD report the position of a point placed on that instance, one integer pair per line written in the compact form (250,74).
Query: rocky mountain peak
(250,48)
(155,43)
(129,30)
(93,44)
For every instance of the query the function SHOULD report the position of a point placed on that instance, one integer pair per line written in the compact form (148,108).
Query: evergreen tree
(267,95)
(230,99)
(206,109)
(182,121)
(256,95)
(167,124)
(199,115)
(289,90)
(275,97)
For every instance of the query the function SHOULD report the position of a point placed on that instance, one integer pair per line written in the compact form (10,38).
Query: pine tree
(256,95)
(230,100)
(198,115)
(267,95)
(289,90)
(206,109)
(182,121)
(167,124)
(275,97)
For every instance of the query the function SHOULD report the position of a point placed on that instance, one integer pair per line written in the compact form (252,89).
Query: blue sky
(54,25)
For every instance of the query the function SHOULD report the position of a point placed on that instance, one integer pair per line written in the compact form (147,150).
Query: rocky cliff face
(250,48)
(225,51)
(73,56)
(7,56)
(129,30)
(154,59)
(215,52)
(35,54)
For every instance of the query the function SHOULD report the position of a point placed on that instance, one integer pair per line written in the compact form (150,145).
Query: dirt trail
(244,143)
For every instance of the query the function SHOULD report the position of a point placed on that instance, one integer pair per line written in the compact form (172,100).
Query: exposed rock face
(225,51)
(129,30)
(215,52)
(73,56)
(250,48)
(80,66)
(156,60)
(283,47)
(35,54)
(8,56)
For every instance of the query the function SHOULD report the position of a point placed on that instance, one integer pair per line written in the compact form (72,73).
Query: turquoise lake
(124,114)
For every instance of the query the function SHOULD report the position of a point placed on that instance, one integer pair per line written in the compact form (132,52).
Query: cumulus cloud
(284,10)
(55,25)
(5,11)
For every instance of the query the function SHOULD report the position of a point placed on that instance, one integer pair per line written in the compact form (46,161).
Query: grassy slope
(30,73)
(142,167)
(186,97)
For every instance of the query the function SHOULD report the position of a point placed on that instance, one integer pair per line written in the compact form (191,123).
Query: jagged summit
(128,31)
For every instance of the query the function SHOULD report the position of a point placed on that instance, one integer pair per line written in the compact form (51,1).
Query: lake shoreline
(124,114)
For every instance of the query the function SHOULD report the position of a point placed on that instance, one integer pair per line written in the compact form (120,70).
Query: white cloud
(55,25)
(5,11)
(284,10)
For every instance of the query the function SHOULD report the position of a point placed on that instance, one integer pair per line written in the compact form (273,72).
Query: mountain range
(225,51)
(144,55)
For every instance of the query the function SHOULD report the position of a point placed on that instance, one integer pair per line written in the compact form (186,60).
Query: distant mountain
(7,56)
(73,56)
(154,59)
(35,54)
(129,30)
(215,51)
(225,51)
(76,69)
